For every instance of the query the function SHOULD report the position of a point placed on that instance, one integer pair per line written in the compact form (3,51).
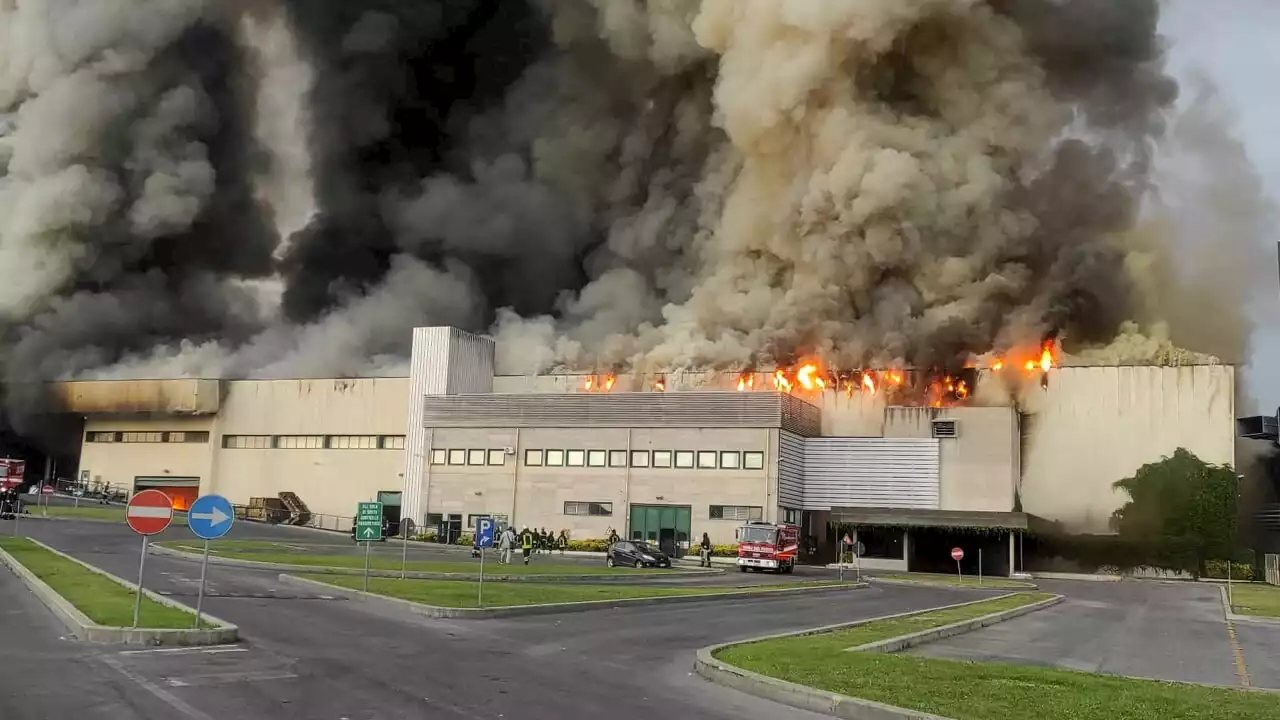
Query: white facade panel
(871,472)
(790,470)
(1092,426)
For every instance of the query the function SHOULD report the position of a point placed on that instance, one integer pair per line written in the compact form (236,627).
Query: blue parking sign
(484,532)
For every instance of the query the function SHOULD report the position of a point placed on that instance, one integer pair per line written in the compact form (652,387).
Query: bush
(723,551)
(1217,569)
(429,536)
(588,545)
(463,539)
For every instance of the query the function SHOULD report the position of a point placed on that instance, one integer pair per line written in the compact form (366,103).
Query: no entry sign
(957,554)
(149,512)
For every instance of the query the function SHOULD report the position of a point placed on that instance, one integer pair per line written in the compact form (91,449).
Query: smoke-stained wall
(1093,426)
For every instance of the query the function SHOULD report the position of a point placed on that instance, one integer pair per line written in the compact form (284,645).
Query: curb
(420,575)
(85,629)
(822,701)
(905,642)
(926,583)
(1232,617)
(435,611)
(1086,577)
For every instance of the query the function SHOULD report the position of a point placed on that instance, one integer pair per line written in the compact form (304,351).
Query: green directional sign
(369,521)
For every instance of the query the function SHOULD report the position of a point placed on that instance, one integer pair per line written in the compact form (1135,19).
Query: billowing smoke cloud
(285,187)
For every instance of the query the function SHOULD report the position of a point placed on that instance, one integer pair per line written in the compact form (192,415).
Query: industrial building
(666,458)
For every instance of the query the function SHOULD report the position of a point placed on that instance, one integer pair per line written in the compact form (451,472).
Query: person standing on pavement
(705,551)
(526,544)
(562,542)
(506,542)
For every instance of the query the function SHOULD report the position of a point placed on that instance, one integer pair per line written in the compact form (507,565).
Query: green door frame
(663,525)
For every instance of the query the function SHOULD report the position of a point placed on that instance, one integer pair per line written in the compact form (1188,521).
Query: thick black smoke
(599,182)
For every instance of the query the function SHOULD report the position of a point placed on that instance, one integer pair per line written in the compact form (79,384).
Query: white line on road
(182,650)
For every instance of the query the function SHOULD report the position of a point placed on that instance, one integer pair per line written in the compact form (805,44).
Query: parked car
(636,554)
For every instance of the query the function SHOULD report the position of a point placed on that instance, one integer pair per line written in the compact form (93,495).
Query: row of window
(679,459)
(129,436)
(473,456)
(313,442)
(743,513)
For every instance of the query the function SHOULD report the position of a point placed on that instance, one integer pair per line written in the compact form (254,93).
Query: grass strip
(114,513)
(539,566)
(969,581)
(1255,599)
(462,593)
(982,691)
(104,601)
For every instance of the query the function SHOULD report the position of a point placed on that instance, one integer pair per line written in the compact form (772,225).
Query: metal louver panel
(871,472)
(790,470)
(679,409)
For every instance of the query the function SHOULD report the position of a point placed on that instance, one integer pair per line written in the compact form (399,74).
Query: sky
(1234,43)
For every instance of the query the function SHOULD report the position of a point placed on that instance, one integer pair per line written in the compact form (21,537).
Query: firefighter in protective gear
(526,543)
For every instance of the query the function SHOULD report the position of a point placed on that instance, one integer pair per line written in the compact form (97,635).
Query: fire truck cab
(768,546)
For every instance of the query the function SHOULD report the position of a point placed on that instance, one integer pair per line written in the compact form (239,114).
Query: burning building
(914,459)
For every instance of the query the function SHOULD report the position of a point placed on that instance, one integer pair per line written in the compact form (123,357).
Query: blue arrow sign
(210,517)
(484,532)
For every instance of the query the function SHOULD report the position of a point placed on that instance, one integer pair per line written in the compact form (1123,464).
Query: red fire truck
(766,546)
(12,473)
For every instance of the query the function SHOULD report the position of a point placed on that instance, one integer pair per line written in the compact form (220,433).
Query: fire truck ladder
(298,512)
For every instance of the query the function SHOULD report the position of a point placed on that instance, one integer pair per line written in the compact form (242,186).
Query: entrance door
(666,526)
(390,500)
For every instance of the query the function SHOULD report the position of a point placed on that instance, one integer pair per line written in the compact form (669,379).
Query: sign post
(368,529)
(406,532)
(957,554)
(484,540)
(209,518)
(979,566)
(148,513)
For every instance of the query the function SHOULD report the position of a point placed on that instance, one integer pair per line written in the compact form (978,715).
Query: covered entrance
(181,490)
(390,500)
(921,540)
(666,526)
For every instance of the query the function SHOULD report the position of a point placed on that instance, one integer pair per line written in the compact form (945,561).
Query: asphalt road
(1162,630)
(309,657)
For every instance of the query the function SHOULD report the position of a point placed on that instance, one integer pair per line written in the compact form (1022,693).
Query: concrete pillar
(1012,553)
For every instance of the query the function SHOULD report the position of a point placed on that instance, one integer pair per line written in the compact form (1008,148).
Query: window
(391,442)
(439,457)
(533,458)
(476,457)
(300,442)
(791,517)
(684,459)
(353,442)
(246,442)
(457,457)
(575,458)
(662,458)
(640,458)
(187,436)
(753,461)
(596,458)
(588,508)
(555,458)
(741,513)
(498,457)
(102,437)
(730,460)
(617,458)
(141,437)
(706,459)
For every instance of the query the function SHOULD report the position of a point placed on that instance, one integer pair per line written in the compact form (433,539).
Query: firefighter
(526,543)
(562,542)
(705,548)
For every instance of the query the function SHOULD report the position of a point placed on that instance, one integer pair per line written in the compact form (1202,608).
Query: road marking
(167,697)
(208,649)
(1242,672)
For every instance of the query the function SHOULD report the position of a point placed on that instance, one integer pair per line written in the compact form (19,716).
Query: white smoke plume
(286,187)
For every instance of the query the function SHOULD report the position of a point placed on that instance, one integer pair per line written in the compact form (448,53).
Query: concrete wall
(536,495)
(1093,426)
(118,463)
(978,467)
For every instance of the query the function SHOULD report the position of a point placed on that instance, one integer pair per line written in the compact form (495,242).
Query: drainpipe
(626,491)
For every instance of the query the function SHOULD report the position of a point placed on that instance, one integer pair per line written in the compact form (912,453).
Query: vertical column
(1013,567)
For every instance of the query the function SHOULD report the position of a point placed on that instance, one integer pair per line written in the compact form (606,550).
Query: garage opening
(666,526)
(181,490)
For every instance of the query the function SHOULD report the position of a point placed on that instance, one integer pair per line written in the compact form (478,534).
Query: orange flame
(746,382)
(608,383)
(781,382)
(998,366)
(895,377)
(588,383)
(1030,366)
(962,390)
(1046,359)
(742,384)
(659,386)
(805,376)
(869,383)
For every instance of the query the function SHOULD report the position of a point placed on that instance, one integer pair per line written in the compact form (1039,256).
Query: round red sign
(149,512)
(957,554)
(47,489)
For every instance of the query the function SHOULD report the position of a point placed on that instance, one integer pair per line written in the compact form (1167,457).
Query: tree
(1183,509)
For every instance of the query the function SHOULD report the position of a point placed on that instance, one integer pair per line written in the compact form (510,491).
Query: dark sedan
(629,553)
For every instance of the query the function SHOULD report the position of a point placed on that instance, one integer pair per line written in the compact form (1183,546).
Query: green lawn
(954,581)
(280,553)
(1255,599)
(982,691)
(105,602)
(462,593)
(114,513)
